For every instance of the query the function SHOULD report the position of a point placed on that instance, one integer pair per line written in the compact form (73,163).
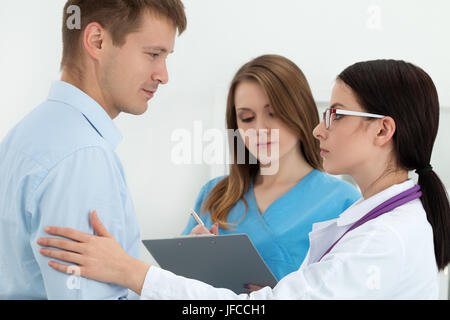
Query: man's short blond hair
(118,17)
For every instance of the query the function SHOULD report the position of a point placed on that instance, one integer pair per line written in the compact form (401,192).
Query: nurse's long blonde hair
(291,99)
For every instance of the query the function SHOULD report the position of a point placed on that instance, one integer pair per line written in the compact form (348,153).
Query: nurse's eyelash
(247,119)
(338,116)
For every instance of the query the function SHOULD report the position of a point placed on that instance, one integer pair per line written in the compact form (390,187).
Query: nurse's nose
(261,126)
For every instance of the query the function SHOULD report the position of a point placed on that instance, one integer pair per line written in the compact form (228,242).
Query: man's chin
(137,111)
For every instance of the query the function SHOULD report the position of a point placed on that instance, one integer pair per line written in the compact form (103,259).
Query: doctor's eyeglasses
(331,114)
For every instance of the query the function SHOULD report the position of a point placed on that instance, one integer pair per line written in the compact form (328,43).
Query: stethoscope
(387,206)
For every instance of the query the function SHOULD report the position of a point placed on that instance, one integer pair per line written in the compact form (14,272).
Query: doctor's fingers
(69,233)
(251,287)
(68,245)
(62,255)
(65,268)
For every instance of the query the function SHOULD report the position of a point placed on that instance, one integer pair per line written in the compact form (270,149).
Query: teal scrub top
(281,233)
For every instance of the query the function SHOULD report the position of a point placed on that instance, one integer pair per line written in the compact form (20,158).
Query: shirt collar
(66,93)
(362,207)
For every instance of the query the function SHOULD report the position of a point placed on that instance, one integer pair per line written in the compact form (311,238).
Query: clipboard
(223,261)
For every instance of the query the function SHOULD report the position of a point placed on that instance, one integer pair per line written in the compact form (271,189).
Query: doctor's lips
(323,151)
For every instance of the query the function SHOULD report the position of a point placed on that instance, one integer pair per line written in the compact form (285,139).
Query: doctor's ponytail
(406,93)
(435,203)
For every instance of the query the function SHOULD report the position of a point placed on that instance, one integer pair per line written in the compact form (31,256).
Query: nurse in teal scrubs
(270,97)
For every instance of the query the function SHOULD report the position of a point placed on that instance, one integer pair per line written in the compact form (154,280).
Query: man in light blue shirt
(58,163)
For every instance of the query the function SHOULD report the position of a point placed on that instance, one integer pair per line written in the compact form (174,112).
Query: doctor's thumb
(98,226)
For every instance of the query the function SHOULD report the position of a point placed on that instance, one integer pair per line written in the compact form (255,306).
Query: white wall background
(322,37)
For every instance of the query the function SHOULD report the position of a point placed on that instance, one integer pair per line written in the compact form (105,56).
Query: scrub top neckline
(253,197)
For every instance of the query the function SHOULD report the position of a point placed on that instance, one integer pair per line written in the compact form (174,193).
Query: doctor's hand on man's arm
(98,257)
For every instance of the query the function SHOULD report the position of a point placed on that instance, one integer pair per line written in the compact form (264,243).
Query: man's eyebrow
(162,49)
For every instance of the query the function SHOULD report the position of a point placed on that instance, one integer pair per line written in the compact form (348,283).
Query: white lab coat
(390,257)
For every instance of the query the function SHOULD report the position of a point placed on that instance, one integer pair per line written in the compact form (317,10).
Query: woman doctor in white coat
(382,122)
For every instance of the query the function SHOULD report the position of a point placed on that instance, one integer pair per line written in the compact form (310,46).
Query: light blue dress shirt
(280,234)
(56,165)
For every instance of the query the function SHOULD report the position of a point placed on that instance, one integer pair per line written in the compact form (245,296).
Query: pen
(196,217)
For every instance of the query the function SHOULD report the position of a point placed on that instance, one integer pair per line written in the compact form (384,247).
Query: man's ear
(93,39)
(385,131)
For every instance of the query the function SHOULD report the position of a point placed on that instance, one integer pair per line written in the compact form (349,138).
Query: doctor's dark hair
(407,94)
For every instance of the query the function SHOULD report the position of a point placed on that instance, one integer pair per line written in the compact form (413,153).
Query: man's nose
(161,74)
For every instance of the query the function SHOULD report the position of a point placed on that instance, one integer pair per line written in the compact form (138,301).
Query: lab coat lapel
(324,234)
(321,239)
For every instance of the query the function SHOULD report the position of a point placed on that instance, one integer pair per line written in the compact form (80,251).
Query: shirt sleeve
(80,183)
(364,265)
